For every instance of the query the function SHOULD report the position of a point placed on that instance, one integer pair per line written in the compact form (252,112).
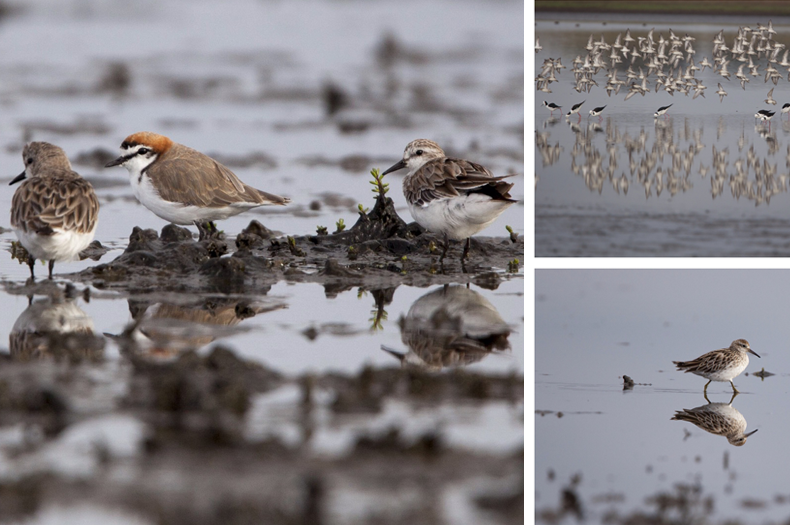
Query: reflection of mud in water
(451,326)
(721,419)
(54,327)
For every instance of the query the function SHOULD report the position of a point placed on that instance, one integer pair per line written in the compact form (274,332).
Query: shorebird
(184,186)
(575,110)
(770,99)
(452,197)
(54,212)
(721,93)
(721,419)
(596,112)
(786,108)
(764,115)
(722,365)
(661,111)
(552,106)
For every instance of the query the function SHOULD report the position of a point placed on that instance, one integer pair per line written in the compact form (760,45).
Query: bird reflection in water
(721,419)
(451,326)
(669,158)
(55,327)
(164,330)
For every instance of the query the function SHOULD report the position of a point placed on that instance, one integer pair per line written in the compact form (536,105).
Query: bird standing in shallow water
(452,197)
(722,365)
(54,212)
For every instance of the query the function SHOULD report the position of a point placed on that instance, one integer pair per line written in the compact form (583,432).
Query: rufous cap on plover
(184,186)
(452,197)
(54,211)
(724,364)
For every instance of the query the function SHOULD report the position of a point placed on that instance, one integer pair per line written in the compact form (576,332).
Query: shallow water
(593,327)
(708,179)
(247,82)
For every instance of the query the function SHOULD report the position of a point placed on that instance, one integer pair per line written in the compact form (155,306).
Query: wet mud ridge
(380,250)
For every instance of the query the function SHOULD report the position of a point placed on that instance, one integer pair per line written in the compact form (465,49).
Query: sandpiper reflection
(451,326)
(721,419)
(54,327)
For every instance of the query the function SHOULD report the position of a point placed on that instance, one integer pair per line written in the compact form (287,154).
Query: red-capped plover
(54,211)
(452,197)
(722,365)
(184,186)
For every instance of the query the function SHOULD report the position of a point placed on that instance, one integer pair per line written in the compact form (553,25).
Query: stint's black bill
(395,167)
(18,178)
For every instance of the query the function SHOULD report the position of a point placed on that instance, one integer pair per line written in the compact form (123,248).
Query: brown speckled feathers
(446,177)
(61,200)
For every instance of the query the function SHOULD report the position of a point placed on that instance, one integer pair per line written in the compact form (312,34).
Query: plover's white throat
(184,186)
(54,212)
(452,197)
(662,111)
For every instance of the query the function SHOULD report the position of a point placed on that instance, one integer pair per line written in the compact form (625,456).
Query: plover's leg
(705,390)
(734,395)
(705,394)
(51,267)
(735,390)
(201,230)
(31,262)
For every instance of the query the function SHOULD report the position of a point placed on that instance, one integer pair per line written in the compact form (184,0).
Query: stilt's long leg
(31,262)
(51,267)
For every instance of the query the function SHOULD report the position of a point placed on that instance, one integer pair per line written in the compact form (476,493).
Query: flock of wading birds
(750,44)
(671,60)
(54,212)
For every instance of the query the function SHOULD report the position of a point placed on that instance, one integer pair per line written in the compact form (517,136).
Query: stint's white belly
(176,212)
(61,246)
(458,217)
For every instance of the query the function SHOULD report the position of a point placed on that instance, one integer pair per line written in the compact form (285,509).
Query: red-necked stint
(721,93)
(455,198)
(552,106)
(770,99)
(54,212)
(661,111)
(575,110)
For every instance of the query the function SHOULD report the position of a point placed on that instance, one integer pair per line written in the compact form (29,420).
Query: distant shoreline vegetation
(773,8)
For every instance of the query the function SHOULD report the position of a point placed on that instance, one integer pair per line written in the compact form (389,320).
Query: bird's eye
(30,160)
(418,152)
(143,151)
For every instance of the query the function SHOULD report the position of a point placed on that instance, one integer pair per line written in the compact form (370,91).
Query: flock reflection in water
(450,326)
(669,159)
(720,419)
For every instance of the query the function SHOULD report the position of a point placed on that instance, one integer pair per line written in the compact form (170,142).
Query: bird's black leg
(31,262)
(467,245)
(444,251)
(201,230)
(51,267)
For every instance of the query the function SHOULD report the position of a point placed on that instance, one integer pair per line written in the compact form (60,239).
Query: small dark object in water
(762,374)
(628,383)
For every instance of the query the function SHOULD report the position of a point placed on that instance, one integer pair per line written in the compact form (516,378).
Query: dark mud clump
(380,250)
